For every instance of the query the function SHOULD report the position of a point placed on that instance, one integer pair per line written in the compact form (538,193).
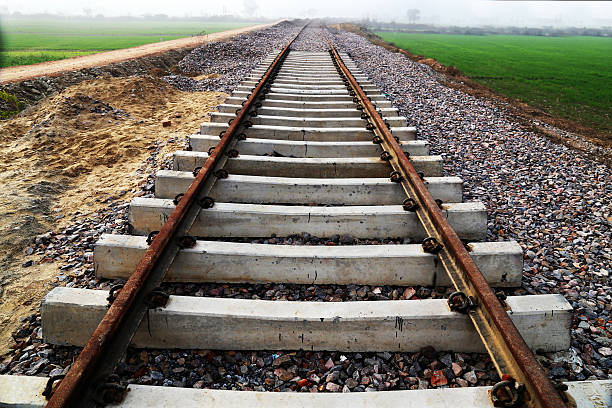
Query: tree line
(487,30)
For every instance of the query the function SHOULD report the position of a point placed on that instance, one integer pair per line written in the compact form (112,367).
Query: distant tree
(250,7)
(413,15)
(88,11)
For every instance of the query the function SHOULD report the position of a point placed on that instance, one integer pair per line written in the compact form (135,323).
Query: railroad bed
(304,162)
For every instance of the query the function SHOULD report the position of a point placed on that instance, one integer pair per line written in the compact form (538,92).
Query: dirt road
(54,68)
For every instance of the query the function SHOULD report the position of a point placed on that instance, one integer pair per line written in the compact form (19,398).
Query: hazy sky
(461,12)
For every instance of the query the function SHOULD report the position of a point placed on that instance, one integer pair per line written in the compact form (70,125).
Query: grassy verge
(12,58)
(564,76)
(10,105)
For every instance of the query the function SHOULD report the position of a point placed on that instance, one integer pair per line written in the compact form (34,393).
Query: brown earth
(53,68)
(523,113)
(68,154)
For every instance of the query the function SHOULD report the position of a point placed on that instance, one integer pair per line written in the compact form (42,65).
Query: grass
(27,42)
(569,77)
(34,57)
(11,105)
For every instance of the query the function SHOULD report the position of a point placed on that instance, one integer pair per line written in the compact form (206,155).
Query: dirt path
(54,68)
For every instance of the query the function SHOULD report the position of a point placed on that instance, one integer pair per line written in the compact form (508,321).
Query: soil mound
(82,127)
(70,153)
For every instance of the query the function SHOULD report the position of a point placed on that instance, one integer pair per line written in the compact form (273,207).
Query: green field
(31,41)
(569,77)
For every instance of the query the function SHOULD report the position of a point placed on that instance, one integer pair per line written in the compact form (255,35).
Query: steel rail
(104,349)
(513,359)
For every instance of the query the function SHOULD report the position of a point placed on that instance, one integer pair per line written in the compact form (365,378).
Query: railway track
(306,145)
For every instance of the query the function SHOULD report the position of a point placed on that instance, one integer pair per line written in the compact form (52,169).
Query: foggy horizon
(438,12)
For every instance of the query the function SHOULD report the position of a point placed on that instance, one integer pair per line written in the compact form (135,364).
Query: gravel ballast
(230,61)
(553,200)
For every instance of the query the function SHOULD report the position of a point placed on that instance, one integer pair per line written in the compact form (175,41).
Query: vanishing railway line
(343,163)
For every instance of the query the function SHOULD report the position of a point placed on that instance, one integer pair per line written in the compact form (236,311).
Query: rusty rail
(522,377)
(88,376)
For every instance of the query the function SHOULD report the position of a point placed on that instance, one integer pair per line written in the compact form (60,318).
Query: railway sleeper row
(308,164)
(26,392)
